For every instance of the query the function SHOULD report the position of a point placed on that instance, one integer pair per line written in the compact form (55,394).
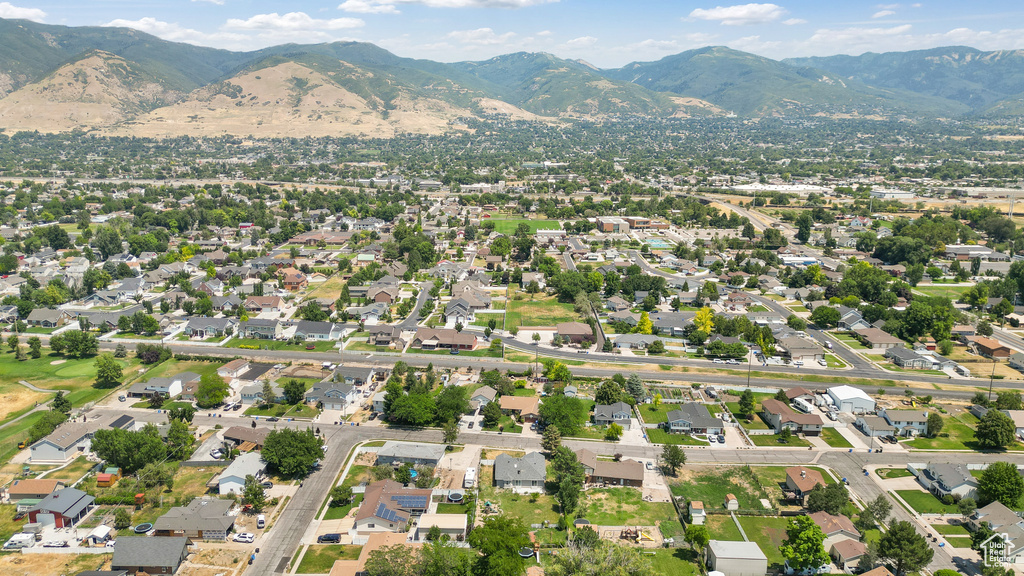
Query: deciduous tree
(804,547)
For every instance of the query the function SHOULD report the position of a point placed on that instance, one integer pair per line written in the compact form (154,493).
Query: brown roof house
(31,491)
(203,519)
(988,347)
(621,473)
(779,416)
(443,338)
(801,480)
(877,339)
(388,506)
(575,332)
(526,408)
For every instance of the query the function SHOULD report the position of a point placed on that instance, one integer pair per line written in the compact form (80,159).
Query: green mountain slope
(973,78)
(747,84)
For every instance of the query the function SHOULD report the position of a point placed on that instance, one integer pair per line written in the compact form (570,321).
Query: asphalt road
(413,319)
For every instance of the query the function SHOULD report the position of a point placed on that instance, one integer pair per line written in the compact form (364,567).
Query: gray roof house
(693,418)
(64,507)
(308,330)
(906,358)
(411,452)
(203,327)
(203,518)
(333,395)
(232,479)
(942,479)
(140,555)
(617,413)
(484,395)
(635,341)
(261,328)
(526,474)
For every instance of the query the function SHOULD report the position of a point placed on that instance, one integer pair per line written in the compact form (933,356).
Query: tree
(294,391)
(340,496)
(796,323)
(781,396)
(552,439)
(879,508)
(995,430)
(804,223)
(492,414)
(705,320)
(966,506)
(1008,400)
(452,403)
(267,392)
(904,549)
(122,519)
(870,558)
(608,558)
(1001,482)
(945,347)
(586,537)
(212,390)
(450,430)
(499,540)
(46,424)
(747,402)
(179,439)
(785,434)
(183,413)
(804,547)
(108,371)
(393,561)
(535,337)
(644,325)
(568,496)
(825,316)
(108,241)
(12,342)
(613,433)
(609,392)
(635,386)
(441,557)
(829,498)
(129,451)
(35,347)
(61,403)
(935,424)
(253,494)
(120,351)
(673,457)
(656,401)
(292,452)
(568,414)
(697,536)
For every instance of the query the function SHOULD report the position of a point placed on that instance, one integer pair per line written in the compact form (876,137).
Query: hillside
(970,77)
(96,90)
(750,85)
(281,97)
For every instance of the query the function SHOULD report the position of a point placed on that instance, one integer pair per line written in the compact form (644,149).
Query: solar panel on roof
(385,513)
(411,501)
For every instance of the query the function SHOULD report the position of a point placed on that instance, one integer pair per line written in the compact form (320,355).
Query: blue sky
(607,33)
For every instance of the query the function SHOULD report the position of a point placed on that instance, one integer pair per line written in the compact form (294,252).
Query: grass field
(893,472)
(338,512)
(710,486)
(951,529)
(626,507)
(721,527)
(283,410)
(510,426)
(774,440)
(959,541)
(926,503)
(508,227)
(769,532)
(659,436)
(319,558)
(674,561)
(319,345)
(849,341)
(544,508)
(652,415)
(834,438)
(951,292)
(957,434)
(540,311)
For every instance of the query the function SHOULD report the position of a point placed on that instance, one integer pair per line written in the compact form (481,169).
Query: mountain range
(122,81)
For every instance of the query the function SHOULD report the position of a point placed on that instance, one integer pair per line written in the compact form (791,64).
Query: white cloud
(794,21)
(543,33)
(8,10)
(291,22)
(368,7)
(169,31)
(480,37)
(389,6)
(217,2)
(741,14)
(581,42)
(883,13)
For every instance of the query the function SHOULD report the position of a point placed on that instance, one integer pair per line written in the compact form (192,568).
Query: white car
(216,453)
(832,416)
(245,537)
(718,361)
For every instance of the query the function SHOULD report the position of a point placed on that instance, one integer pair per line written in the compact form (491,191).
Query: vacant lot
(925,503)
(957,434)
(510,226)
(538,311)
(674,561)
(711,484)
(951,292)
(626,507)
(319,558)
(834,439)
(769,532)
(39,564)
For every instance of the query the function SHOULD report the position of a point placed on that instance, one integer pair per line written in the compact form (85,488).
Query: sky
(606,33)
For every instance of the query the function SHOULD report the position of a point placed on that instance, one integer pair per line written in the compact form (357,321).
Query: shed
(731,503)
(737,558)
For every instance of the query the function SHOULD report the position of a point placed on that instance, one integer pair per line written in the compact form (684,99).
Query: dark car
(273,419)
(267,484)
(20,515)
(470,425)
(328,539)
(721,438)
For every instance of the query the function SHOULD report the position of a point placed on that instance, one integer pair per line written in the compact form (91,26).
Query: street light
(991,378)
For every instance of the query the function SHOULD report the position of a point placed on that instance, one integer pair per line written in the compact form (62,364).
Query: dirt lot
(652,535)
(52,564)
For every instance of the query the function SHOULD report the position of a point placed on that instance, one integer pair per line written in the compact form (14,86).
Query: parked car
(650,465)
(267,484)
(711,438)
(373,416)
(721,438)
(832,416)
(245,537)
(273,419)
(823,363)
(122,398)
(328,539)
(470,426)
(216,453)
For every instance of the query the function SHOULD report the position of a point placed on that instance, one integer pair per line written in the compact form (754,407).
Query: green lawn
(957,434)
(769,532)
(951,529)
(510,426)
(533,509)
(834,361)
(539,311)
(893,472)
(338,512)
(319,558)
(774,440)
(652,415)
(959,541)
(849,341)
(755,423)
(673,561)
(257,344)
(283,410)
(776,475)
(509,227)
(834,438)
(660,436)
(626,507)
(357,473)
(951,292)
(711,487)
(721,527)
(925,503)
(449,508)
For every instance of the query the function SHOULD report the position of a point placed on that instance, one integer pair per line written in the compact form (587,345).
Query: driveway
(202,454)
(635,435)
(655,487)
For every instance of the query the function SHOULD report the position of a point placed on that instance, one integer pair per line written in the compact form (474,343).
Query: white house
(907,422)
(232,480)
(333,395)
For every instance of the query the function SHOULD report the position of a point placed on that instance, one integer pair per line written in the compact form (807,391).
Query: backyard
(957,434)
(538,311)
(768,532)
(532,508)
(509,226)
(626,507)
(710,485)
(319,558)
(189,483)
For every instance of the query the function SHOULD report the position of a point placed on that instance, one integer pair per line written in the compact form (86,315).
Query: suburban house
(253,393)
(906,422)
(357,376)
(71,439)
(988,347)
(525,408)
(261,329)
(388,506)
(909,359)
(232,479)
(333,395)
(202,519)
(693,418)
(246,436)
(942,479)
(385,335)
(233,369)
(736,558)
(202,327)
(262,304)
(452,525)
(308,330)
(846,553)
(526,474)
(62,508)
(139,555)
(295,281)
(29,491)
(874,426)
(801,480)
(169,386)
(407,452)
(610,473)
(877,339)
(462,310)
(851,319)
(618,413)
(483,396)
(48,318)
(574,332)
(850,399)
(635,341)
(443,338)
(835,527)
(779,416)
(798,349)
